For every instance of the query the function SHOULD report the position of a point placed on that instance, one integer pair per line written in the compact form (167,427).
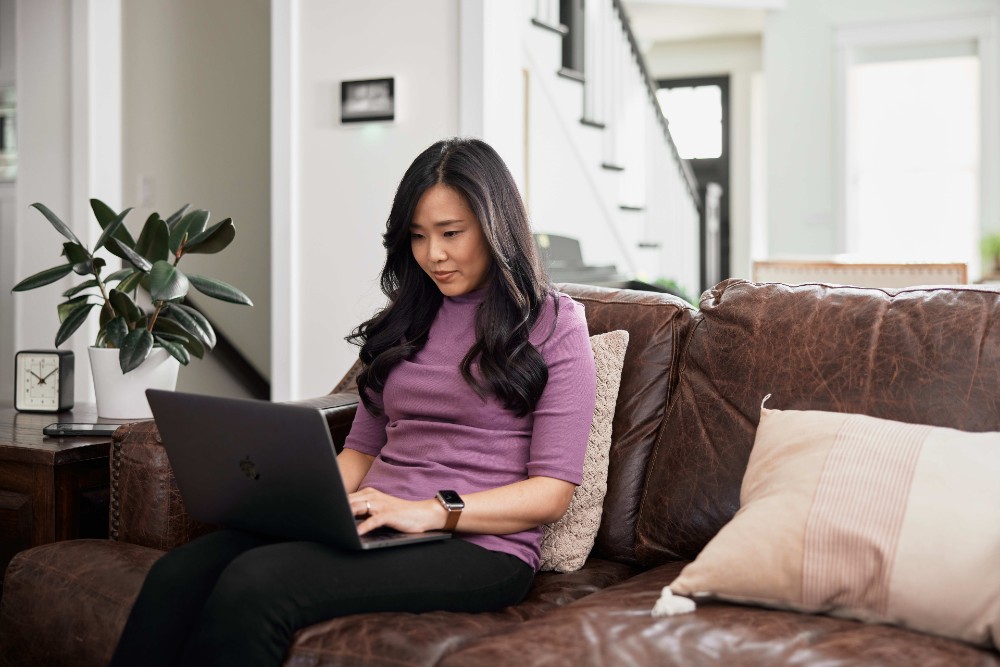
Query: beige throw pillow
(864,518)
(567,542)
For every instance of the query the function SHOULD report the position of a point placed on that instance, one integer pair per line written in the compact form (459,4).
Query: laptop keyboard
(380,534)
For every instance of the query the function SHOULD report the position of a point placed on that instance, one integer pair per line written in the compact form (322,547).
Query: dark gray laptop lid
(259,466)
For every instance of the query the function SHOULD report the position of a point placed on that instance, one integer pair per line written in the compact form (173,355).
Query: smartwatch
(454,504)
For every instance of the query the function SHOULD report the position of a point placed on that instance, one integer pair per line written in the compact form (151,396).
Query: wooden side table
(50,488)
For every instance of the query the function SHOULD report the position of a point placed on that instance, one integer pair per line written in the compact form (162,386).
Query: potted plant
(990,245)
(142,335)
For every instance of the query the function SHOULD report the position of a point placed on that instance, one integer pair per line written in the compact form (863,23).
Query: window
(913,159)
(694,114)
(918,138)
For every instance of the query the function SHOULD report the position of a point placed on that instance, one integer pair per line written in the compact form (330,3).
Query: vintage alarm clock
(43,380)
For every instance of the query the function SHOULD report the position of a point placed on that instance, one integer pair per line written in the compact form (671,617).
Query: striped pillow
(853,516)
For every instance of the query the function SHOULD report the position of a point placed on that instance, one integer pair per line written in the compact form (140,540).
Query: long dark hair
(510,367)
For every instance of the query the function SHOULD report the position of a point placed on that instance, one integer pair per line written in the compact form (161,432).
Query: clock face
(37,382)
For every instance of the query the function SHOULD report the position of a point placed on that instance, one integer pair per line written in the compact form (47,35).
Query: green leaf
(79,288)
(219,290)
(112,231)
(115,331)
(190,225)
(167,283)
(107,314)
(75,253)
(57,223)
(177,338)
(176,350)
(138,261)
(212,240)
(120,274)
(152,243)
(130,283)
(105,215)
(73,322)
(93,265)
(43,278)
(176,216)
(195,347)
(166,326)
(66,307)
(125,307)
(135,349)
(194,324)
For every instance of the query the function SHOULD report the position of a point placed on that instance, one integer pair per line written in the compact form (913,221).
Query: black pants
(235,598)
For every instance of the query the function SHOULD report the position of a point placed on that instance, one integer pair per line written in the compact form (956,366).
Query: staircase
(636,203)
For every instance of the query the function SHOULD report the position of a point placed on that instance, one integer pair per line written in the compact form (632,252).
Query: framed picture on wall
(368,100)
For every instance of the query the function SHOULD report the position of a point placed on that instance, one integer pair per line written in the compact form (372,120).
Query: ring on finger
(368,507)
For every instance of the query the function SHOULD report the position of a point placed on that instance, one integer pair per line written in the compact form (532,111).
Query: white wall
(349,173)
(8,213)
(799,52)
(44,80)
(740,59)
(196,84)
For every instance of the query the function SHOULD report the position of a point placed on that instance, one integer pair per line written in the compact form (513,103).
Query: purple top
(436,433)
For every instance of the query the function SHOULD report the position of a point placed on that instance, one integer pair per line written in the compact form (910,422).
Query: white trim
(285,222)
(981,28)
(95,141)
(940,30)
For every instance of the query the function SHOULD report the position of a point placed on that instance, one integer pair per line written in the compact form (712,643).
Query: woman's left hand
(408,516)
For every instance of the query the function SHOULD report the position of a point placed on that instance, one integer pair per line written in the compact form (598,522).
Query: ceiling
(662,21)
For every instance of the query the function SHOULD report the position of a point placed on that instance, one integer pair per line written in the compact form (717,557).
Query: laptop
(264,467)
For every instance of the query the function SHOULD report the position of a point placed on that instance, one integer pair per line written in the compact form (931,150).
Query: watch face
(36,383)
(451,499)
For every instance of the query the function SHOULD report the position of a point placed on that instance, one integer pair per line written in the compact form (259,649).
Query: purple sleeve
(566,408)
(368,431)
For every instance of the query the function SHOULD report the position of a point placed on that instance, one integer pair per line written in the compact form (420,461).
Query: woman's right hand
(408,516)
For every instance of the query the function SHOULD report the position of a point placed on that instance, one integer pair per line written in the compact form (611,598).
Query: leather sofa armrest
(146,505)
(339,411)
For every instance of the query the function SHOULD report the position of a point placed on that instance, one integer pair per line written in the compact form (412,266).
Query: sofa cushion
(65,604)
(847,514)
(567,542)
(614,627)
(656,323)
(920,355)
(372,640)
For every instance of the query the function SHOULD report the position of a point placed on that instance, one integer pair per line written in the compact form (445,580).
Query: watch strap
(452,521)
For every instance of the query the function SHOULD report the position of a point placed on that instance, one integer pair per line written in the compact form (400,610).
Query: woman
(477,390)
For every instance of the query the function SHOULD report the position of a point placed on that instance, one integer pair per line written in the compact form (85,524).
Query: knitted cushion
(567,542)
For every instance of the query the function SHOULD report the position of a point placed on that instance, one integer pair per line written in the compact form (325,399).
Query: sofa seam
(668,413)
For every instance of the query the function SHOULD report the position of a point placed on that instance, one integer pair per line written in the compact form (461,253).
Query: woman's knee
(248,583)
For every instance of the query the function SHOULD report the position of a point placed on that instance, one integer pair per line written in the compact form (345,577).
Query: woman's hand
(408,516)
(505,509)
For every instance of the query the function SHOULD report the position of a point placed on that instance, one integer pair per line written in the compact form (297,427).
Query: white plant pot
(123,395)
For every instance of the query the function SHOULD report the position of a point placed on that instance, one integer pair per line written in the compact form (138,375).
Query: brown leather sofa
(684,426)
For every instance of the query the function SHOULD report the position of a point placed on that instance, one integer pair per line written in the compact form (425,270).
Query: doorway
(697,110)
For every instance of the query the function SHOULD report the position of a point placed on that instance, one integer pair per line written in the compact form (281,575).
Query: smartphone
(62,428)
